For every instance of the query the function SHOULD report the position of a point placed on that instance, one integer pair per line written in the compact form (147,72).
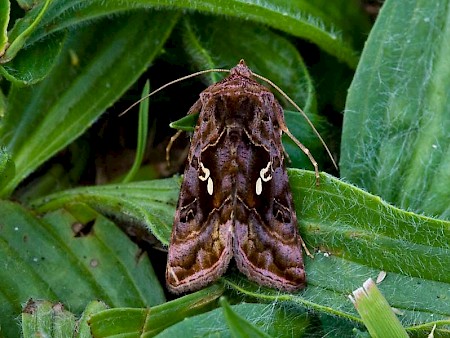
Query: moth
(235,201)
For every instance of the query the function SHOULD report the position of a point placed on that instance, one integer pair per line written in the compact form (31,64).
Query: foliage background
(72,232)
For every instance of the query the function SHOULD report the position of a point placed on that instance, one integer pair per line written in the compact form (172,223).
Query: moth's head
(241,69)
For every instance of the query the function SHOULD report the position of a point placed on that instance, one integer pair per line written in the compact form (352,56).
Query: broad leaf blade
(357,244)
(330,25)
(395,140)
(398,240)
(48,258)
(150,204)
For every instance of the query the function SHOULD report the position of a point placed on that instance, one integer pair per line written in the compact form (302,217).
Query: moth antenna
(302,112)
(171,83)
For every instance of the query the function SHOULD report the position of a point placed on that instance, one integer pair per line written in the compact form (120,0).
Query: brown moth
(235,199)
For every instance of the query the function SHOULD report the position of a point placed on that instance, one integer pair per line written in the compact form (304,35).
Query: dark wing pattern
(266,243)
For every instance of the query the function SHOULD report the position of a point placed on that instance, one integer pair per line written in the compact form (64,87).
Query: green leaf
(71,257)
(150,204)
(319,23)
(376,313)
(395,140)
(239,327)
(63,321)
(357,244)
(379,235)
(45,118)
(37,318)
(330,25)
(149,322)
(2,105)
(271,319)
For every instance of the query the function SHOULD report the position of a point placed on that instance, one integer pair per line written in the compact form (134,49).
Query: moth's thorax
(236,107)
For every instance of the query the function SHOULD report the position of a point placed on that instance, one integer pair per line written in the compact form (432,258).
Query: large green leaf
(148,204)
(331,25)
(45,118)
(356,236)
(72,257)
(396,139)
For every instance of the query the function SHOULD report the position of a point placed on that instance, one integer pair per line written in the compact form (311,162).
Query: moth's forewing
(200,245)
